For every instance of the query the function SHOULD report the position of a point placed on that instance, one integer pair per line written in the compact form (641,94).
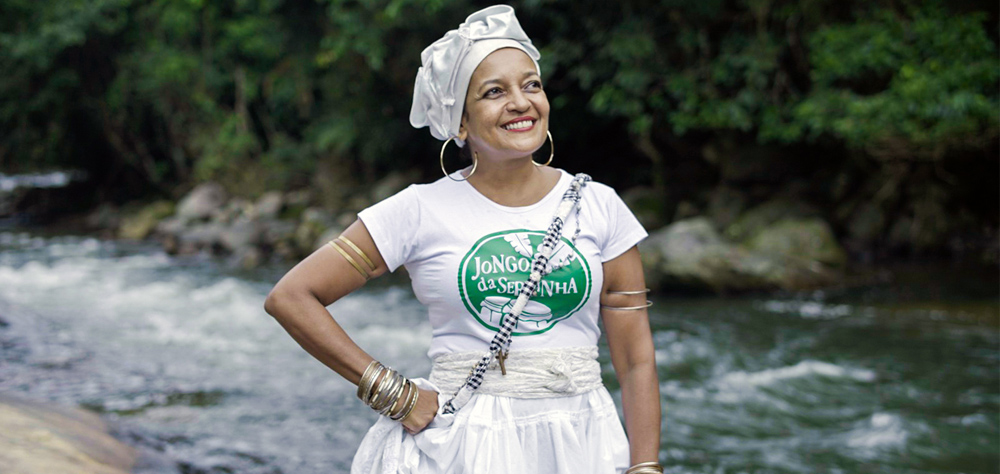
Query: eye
(533,85)
(493,92)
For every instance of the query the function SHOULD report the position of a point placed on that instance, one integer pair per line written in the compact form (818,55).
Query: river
(899,377)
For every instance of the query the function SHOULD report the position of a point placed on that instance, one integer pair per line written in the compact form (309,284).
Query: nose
(518,101)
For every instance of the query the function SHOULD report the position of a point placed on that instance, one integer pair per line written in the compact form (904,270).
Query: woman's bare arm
(298,302)
(632,354)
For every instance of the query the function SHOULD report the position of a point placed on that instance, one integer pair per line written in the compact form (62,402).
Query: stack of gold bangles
(382,389)
(645,468)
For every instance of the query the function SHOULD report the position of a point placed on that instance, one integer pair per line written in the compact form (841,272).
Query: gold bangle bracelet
(365,377)
(382,390)
(395,393)
(649,467)
(405,407)
(382,399)
(645,470)
(628,308)
(399,401)
(413,402)
(350,259)
(370,386)
(358,251)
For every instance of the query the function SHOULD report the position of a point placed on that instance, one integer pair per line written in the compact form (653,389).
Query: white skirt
(578,433)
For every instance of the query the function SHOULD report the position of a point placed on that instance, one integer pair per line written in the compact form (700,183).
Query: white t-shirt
(468,256)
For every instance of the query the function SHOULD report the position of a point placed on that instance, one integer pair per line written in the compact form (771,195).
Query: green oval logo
(492,274)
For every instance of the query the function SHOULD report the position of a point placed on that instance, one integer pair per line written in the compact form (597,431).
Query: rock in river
(35,438)
(691,253)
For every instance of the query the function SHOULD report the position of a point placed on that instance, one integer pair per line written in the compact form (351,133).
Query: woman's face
(506,111)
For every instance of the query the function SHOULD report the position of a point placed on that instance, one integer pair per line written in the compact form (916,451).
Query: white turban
(448,64)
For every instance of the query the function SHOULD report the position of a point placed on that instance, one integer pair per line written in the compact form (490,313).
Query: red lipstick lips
(520,124)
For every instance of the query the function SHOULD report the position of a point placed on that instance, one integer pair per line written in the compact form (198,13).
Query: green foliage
(940,75)
(258,93)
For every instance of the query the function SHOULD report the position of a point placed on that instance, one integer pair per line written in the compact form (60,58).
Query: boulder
(201,236)
(756,219)
(204,200)
(686,210)
(810,239)
(105,216)
(269,205)
(391,184)
(277,230)
(296,202)
(345,219)
(140,225)
(35,438)
(246,258)
(327,235)
(314,223)
(241,234)
(169,226)
(236,208)
(691,253)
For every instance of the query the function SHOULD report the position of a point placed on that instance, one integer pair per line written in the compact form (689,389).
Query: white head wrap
(448,64)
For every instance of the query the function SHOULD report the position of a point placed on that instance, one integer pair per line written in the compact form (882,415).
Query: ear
(462,132)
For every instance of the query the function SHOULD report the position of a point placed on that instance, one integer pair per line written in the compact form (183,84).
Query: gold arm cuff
(358,251)
(628,308)
(350,259)
(631,292)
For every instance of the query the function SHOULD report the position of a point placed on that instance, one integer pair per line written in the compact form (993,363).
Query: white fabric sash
(531,373)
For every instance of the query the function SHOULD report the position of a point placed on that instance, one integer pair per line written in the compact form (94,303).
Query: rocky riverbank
(247,233)
(776,245)
(37,438)
(727,241)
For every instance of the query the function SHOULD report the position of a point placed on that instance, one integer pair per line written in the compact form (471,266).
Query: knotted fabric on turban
(448,64)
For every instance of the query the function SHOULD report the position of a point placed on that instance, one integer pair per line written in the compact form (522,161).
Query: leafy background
(887,110)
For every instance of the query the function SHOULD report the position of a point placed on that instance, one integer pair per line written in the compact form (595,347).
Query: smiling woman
(514,301)
(506,111)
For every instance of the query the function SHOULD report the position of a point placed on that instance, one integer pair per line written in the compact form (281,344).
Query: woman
(470,242)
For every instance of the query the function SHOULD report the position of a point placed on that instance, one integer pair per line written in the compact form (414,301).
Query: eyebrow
(527,74)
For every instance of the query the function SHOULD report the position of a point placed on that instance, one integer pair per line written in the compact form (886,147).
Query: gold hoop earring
(552,152)
(475,161)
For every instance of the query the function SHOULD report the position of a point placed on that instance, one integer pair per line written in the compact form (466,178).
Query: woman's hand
(423,413)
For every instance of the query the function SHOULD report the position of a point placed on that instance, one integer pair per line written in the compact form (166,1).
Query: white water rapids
(179,354)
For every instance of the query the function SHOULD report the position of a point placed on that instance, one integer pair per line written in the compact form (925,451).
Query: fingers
(423,414)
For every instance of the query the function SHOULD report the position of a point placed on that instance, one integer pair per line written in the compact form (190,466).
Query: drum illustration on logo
(492,273)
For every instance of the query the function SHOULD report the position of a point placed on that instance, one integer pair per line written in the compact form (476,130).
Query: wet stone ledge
(38,438)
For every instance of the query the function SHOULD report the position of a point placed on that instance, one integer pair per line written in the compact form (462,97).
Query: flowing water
(179,355)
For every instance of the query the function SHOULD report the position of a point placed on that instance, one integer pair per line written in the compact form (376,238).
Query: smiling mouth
(519,126)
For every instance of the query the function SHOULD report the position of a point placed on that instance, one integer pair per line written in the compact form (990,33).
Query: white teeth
(521,124)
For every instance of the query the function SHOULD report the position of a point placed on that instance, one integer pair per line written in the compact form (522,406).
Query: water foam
(808,309)
(880,432)
(803,369)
